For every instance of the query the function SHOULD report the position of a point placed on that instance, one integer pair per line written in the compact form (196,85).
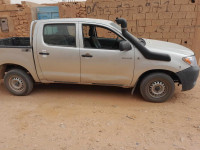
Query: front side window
(100,37)
(60,34)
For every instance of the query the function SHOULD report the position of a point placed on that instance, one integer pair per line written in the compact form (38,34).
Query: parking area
(73,117)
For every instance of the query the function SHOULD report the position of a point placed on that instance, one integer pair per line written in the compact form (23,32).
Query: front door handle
(87,55)
(44,53)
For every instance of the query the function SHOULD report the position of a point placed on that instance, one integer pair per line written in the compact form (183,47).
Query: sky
(40,1)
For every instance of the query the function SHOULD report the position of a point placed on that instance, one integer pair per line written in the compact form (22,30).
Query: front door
(101,60)
(58,53)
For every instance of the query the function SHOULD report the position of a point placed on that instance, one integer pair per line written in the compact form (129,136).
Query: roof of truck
(77,20)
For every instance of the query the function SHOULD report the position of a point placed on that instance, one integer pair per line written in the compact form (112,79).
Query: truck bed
(15,42)
(17,51)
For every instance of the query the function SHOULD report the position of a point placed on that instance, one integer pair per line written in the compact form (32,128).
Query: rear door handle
(87,55)
(44,53)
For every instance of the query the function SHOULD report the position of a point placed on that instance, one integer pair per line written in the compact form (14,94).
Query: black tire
(157,87)
(18,82)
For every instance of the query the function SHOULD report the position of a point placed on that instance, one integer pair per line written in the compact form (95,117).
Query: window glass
(60,34)
(100,37)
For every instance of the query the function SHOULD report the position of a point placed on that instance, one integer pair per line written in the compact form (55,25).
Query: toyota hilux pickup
(95,52)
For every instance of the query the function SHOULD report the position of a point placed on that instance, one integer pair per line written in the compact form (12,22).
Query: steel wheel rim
(157,89)
(16,83)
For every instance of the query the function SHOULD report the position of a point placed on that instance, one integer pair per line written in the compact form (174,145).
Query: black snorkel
(145,52)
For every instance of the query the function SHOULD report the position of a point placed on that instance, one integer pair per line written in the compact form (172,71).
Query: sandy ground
(75,117)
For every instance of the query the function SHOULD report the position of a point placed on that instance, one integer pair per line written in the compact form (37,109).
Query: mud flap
(2,71)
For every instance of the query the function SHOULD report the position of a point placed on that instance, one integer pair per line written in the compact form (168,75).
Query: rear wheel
(18,82)
(157,87)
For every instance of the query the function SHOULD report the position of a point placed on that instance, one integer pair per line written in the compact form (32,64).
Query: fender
(31,71)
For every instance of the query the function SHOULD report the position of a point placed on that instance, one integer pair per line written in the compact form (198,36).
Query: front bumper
(188,77)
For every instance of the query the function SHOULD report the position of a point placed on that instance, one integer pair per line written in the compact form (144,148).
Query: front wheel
(157,87)
(18,82)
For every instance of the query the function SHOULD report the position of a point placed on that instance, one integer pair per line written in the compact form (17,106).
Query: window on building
(4,24)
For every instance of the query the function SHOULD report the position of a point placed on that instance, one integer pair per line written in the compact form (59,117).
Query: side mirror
(125,46)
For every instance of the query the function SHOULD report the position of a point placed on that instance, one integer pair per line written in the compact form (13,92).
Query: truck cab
(82,51)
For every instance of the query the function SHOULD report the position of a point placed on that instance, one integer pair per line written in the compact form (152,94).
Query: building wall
(19,18)
(168,20)
(20,15)
(72,10)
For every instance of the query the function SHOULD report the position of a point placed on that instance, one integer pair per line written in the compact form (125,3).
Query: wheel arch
(6,67)
(170,73)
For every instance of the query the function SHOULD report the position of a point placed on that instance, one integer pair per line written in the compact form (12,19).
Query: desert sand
(79,117)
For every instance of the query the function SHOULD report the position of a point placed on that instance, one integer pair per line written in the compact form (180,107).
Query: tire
(157,87)
(18,82)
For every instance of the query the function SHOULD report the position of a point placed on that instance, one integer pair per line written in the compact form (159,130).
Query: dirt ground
(76,117)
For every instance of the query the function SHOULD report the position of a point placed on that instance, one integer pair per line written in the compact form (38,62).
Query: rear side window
(60,34)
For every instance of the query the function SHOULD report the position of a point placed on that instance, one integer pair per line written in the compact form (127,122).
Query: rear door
(58,52)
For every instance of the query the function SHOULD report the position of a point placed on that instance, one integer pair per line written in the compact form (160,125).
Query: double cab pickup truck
(95,52)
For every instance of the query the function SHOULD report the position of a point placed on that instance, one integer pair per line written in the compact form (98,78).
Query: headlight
(191,60)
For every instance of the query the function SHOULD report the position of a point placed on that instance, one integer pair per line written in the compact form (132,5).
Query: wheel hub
(157,89)
(16,83)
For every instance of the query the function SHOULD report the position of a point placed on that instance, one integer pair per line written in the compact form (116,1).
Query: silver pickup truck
(96,52)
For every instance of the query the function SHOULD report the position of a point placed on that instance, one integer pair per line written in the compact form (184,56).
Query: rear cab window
(60,34)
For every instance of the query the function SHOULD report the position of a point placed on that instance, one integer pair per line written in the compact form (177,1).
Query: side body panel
(107,67)
(143,65)
(19,56)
